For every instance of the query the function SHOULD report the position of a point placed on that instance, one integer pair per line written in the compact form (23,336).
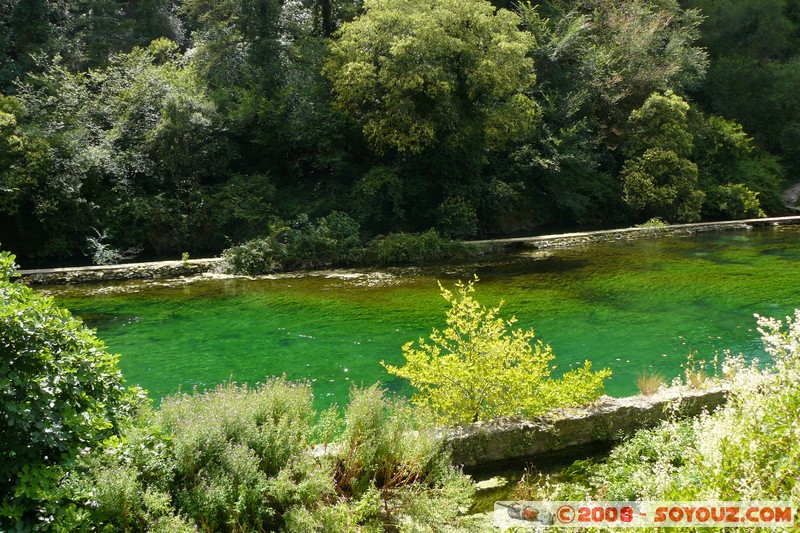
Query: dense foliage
(61,394)
(240,459)
(418,74)
(331,240)
(479,368)
(195,125)
(747,450)
(334,241)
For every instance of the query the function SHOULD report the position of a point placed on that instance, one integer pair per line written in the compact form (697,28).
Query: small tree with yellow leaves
(480,367)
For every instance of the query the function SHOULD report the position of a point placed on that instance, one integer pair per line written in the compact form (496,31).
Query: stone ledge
(570,432)
(576,239)
(123,272)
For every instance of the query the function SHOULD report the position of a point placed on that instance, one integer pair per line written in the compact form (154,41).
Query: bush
(331,240)
(334,240)
(386,450)
(398,248)
(733,201)
(240,459)
(257,256)
(659,183)
(61,393)
(479,368)
(653,223)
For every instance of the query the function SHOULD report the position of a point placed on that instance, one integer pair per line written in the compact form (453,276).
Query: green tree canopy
(139,138)
(660,123)
(236,41)
(658,178)
(660,183)
(420,72)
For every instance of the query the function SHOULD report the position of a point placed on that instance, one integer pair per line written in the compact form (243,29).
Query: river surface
(630,306)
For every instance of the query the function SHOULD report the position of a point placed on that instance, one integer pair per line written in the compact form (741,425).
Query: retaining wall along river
(123,272)
(569,432)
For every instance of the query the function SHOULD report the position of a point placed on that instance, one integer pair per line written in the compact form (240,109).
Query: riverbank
(194,267)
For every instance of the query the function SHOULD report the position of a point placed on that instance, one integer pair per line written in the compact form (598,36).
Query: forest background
(171,126)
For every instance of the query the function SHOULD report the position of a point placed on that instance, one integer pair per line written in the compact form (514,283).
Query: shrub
(478,367)
(386,450)
(733,201)
(398,248)
(257,256)
(648,383)
(660,183)
(331,240)
(240,459)
(653,223)
(334,240)
(61,392)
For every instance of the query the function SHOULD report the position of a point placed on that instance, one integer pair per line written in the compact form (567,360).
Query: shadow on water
(499,481)
(106,320)
(532,265)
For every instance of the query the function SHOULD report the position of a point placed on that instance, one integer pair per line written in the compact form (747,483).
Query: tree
(596,62)
(128,148)
(32,27)
(652,44)
(658,178)
(478,367)
(417,73)
(763,30)
(661,122)
(762,96)
(659,183)
(236,41)
(738,177)
(755,71)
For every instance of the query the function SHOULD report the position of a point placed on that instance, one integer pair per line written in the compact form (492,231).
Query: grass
(649,382)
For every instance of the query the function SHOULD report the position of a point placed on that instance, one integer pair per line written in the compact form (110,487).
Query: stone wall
(589,237)
(571,432)
(125,272)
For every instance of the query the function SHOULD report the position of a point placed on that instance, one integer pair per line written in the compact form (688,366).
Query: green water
(629,306)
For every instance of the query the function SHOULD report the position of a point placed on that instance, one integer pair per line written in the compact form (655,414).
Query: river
(630,306)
